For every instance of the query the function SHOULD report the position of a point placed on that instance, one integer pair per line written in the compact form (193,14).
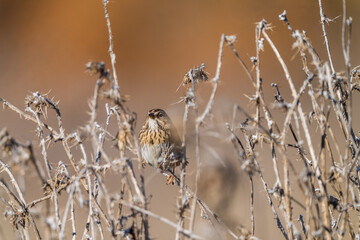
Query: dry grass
(327,183)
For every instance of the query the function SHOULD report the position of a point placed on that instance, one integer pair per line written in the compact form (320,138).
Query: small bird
(160,143)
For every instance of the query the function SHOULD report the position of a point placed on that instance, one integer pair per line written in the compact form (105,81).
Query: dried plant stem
(184,200)
(190,194)
(15,212)
(94,104)
(187,233)
(258,42)
(346,195)
(38,167)
(282,63)
(134,181)
(346,47)
(279,224)
(323,20)
(215,81)
(73,220)
(87,185)
(88,179)
(139,187)
(13,181)
(111,47)
(20,200)
(325,218)
(27,116)
(265,185)
(294,94)
(252,206)
(326,179)
(241,61)
(346,53)
(48,167)
(69,204)
(254,82)
(197,154)
(99,145)
(199,120)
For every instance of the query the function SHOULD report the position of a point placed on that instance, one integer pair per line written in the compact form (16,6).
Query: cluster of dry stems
(328,181)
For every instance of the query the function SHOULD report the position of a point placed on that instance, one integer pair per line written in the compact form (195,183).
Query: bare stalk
(323,20)
(111,47)
(48,167)
(199,120)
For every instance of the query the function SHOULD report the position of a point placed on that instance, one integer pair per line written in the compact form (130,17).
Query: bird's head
(157,118)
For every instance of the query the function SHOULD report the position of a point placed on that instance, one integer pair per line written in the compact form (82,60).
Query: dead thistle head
(197,74)
(38,103)
(98,68)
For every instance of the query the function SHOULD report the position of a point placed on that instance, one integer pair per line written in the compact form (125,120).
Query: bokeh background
(44,46)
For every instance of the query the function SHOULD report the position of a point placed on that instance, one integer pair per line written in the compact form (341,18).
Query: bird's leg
(171,177)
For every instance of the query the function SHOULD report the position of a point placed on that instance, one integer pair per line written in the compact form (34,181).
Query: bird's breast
(152,154)
(151,137)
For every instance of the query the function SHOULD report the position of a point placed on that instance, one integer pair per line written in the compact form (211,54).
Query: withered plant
(314,195)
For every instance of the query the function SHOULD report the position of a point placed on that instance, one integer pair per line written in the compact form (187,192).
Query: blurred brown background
(44,46)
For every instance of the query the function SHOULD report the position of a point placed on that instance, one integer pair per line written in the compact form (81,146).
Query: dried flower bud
(98,68)
(283,17)
(61,178)
(262,24)
(122,138)
(230,39)
(38,103)
(95,67)
(17,216)
(253,60)
(197,74)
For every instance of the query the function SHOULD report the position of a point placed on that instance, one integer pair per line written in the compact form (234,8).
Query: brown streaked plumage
(160,143)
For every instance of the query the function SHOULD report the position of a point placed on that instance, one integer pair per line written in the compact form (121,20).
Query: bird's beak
(151,115)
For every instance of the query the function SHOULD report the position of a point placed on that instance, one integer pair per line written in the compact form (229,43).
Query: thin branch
(323,20)
(187,233)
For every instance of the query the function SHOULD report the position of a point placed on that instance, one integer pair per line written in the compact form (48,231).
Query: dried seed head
(17,216)
(197,74)
(262,25)
(61,178)
(244,232)
(114,94)
(249,165)
(334,175)
(95,67)
(230,39)
(122,138)
(98,68)
(283,17)
(131,119)
(333,201)
(253,60)
(9,147)
(38,103)
(7,143)
(355,73)
(278,97)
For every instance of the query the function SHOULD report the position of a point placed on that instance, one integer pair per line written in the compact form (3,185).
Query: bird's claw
(170,180)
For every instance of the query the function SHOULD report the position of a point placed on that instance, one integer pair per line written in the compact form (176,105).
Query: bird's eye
(160,114)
